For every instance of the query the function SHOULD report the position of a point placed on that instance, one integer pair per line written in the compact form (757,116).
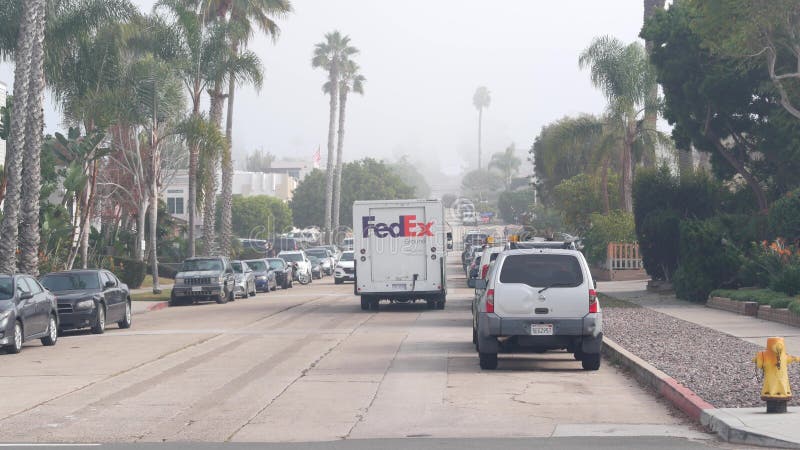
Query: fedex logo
(406,226)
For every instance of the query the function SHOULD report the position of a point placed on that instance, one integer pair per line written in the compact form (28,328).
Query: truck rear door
(400,257)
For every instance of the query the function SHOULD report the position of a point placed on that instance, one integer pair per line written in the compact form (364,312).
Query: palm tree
(507,163)
(651,116)
(330,55)
(625,76)
(351,80)
(16,142)
(481,100)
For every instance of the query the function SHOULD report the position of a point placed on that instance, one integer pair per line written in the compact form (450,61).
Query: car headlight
(4,315)
(261,277)
(216,279)
(85,304)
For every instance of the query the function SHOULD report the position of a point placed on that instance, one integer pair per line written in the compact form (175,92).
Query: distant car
(335,251)
(27,312)
(326,259)
(283,272)
(264,275)
(245,279)
(474,269)
(203,278)
(317,271)
(347,244)
(345,269)
(89,299)
(300,260)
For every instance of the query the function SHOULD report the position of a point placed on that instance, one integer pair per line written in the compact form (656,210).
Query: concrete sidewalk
(750,426)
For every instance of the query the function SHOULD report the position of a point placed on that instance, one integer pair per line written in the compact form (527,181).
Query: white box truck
(400,252)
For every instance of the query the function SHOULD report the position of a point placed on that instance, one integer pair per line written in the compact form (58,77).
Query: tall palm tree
(481,100)
(351,80)
(651,116)
(507,163)
(16,142)
(625,76)
(330,55)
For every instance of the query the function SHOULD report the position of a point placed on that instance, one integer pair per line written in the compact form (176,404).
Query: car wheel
(431,304)
(590,361)
(374,304)
(364,304)
(223,298)
(99,326)
(578,354)
(338,281)
(52,333)
(475,337)
(16,342)
(128,319)
(440,303)
(488,361)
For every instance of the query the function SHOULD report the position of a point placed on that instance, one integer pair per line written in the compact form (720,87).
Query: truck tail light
(594,305)
(490,301)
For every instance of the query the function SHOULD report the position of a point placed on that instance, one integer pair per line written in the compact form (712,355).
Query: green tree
(507,163)
(407,171)
(482,186)
(604,229)
(581,196)
(481,100)
(258,161)
(512,205)
(331,55)
(259,216)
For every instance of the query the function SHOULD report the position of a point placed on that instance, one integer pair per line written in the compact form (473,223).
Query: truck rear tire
(364,304)
(431,304)
(488,361)
(590,361)
(373,304)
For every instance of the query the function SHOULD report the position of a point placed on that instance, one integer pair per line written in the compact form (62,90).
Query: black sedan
(283,272)
(27,312)
(90,299)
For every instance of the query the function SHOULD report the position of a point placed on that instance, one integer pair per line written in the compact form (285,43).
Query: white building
(3,90)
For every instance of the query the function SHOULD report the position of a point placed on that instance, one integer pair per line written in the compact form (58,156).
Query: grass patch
(150,297)
(148,282)
(607,301)
(761,296)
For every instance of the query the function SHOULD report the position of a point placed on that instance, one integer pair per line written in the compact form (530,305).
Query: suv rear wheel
(488,361)
(590,361)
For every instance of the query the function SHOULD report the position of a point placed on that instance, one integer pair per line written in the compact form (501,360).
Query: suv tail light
(484,271)
(593,304)
(490,301)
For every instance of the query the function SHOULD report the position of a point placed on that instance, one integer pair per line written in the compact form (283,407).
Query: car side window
(113,278)
(33,286)
(103,279)
(22,286)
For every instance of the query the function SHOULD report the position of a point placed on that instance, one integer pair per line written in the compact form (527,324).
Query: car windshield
(314,260)
(277,264)
(257,265)
(347,256)
(71,281)
(192,265)
(291,257)
(542,270)
(237,267)
(319,253)
(6,288)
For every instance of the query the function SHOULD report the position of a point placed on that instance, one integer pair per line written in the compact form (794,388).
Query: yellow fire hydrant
(774,362)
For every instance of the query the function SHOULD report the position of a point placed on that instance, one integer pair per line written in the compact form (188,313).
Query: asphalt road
(307,366)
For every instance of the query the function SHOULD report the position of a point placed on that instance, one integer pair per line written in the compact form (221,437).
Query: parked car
(283,272)
(27,311)
(347,244)
(326,259)
(245,279)
(345,269)
(265,277)
(203,278)
(317,271)
(474,268)
(337,254)
(539,299)
(90,299)
(302,272)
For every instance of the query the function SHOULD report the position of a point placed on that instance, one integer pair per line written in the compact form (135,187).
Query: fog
(423,60)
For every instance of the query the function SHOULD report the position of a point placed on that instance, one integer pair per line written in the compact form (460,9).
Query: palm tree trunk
(16,141)
(154,234)
(140,228)
(651,117)
(227,170)
(480,125)
(191,202)
(685,161)
(337,188)
(212,165)
(604,187)
(329,166)
(31,172)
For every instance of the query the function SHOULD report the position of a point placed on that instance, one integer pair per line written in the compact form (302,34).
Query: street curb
(733,430)
(679,395)
(157,306)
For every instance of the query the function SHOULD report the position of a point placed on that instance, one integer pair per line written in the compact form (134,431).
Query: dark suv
(204,278)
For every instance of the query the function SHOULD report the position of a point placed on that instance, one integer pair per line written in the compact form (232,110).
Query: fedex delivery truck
(400,248)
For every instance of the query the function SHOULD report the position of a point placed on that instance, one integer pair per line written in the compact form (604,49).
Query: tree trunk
(226,227)
(31,171)
(651,117)
(604,187)
(480,126)
(16,141)
(627,169)
(210,241)
(154,234)
(337,184)
(685,161)
(140,228)
(334,79)
(194,156)
(752,182)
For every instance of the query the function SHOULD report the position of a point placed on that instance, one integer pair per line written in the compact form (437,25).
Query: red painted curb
(158,306)
(645,373)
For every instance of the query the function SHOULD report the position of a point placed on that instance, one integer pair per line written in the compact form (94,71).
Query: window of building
(175,205)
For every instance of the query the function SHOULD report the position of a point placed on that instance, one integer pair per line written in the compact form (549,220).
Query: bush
(706,262)
(795,307)
(761,296)
(784,217)
(787,280)
(781,303)
(658,236)
(615,227)
(131,272)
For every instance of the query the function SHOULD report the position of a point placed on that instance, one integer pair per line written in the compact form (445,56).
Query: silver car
(245,279)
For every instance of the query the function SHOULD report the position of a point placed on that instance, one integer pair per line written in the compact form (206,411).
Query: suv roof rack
(558,245)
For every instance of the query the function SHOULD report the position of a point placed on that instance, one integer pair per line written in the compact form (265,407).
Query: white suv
(538,299)
(298,257)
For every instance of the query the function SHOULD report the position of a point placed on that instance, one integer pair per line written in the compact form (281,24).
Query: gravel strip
(716,366)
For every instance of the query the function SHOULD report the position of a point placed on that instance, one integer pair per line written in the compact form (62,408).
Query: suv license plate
(401,287)
(542,329)
(197,288)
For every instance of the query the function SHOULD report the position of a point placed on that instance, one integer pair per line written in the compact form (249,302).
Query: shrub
(795,307)
(780,303)
(787,280)
(615,227)
(706,262)
(784,217)
(658,237)
(761,296)
(131,272)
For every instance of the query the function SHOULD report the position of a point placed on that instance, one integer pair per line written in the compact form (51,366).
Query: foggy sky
(423,60)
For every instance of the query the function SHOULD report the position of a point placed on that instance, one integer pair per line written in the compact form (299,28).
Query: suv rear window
(542,270)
